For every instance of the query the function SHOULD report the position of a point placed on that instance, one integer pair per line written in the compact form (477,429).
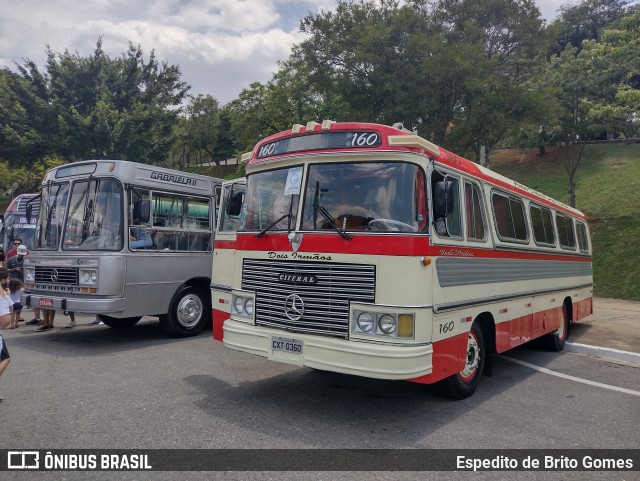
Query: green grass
(608,192)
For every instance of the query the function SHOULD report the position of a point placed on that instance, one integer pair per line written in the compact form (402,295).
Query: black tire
(463,384)
(555,341)
(119,323)
(189,312)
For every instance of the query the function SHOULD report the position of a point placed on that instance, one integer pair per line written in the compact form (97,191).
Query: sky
(221,46)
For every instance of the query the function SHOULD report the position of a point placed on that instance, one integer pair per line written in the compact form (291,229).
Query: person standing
(15,264)
(5,320)
(15,291)
(13,251)
(47,320)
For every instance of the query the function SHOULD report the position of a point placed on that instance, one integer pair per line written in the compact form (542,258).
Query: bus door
(232,202)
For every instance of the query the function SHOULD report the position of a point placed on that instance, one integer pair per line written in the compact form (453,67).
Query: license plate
(46,302)
(286,345)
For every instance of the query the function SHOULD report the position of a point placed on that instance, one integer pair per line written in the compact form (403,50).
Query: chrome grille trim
(326,304)
(65,275)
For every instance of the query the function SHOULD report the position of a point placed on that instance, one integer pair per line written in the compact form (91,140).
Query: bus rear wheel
(188,314)
(555,341)
(119,323)
(463,384)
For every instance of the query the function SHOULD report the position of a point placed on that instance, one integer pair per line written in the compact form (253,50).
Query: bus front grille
(310,297)
(57,275)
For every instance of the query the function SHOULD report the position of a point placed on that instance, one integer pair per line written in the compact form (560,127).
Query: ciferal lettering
(298,279)
(176,179)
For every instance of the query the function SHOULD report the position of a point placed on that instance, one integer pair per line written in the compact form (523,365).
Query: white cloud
(221,46)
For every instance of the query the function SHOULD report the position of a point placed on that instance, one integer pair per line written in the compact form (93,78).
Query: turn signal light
(405,325)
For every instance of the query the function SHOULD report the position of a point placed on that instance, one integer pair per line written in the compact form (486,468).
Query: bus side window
(476,228)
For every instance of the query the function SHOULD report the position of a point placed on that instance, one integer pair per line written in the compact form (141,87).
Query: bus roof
(135,173)
(389,138)
(19,204)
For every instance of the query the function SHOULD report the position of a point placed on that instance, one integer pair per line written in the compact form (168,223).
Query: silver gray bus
(125,240)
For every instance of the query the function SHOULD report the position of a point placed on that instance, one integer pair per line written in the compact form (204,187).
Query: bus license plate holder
(46,302)
(284,344)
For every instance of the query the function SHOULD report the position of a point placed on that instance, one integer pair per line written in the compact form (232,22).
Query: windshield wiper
(288,216)
(323,212)
(264,231)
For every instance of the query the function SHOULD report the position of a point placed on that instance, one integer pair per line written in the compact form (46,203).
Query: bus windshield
(372,196)
(51,219)
(95,216)
(272,199)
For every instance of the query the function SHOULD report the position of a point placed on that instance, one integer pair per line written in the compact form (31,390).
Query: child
(15,291)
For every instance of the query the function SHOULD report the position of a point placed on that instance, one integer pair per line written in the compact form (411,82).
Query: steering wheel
(391,224)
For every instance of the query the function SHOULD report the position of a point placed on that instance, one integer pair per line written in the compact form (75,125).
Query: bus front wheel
(119,323)
(188,314)
(463,384)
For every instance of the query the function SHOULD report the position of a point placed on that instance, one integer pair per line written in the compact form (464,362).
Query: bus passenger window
(542,225)
(510,218)
(474,213)
(583,239)
(565,232)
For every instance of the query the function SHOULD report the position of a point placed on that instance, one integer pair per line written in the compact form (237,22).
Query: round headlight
(238,302)
(85,277)
(248,306)
(387,323)
(94,276)
(365,321)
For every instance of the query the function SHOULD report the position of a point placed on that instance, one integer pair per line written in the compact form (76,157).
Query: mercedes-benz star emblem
(54,275)
(294,307)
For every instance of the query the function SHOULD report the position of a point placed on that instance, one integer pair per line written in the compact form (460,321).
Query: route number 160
(364,139)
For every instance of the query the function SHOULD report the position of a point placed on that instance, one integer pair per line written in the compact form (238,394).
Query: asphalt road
(97,387)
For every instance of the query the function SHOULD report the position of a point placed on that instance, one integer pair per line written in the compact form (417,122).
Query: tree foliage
(584,21)
(91,107)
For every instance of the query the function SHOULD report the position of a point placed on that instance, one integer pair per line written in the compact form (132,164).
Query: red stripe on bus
(224,245)
(385,245)
(219,318)
(449,357)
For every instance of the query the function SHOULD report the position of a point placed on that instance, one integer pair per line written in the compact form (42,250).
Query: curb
(603,352)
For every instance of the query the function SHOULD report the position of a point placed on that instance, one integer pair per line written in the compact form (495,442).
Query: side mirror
(444,197)
(234,203)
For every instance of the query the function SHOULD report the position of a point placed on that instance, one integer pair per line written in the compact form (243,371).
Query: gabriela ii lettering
(176,179)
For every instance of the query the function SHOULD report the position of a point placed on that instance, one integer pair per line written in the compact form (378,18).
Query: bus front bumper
(367,359)
(90,305)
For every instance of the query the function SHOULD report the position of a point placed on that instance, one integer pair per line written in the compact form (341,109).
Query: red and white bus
(367,250)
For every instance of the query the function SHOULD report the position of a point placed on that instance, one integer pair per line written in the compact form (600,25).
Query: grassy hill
(607,191)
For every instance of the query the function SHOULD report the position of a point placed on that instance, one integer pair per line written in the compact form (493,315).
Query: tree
(93,107)
(202,127)
(26,119)
(501,40)
(614,102)
(569,74)
(223,148)
(452,69)
(583,21)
